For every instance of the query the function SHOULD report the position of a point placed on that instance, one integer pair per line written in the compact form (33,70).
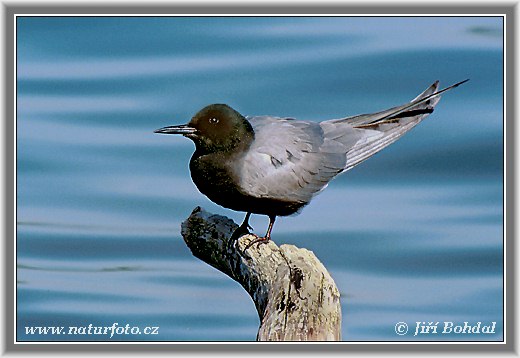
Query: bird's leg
(243,229)
(272,218)
(267,237)
(245,224)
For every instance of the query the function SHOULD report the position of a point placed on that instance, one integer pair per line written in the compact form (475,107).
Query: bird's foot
(260,240)
(241,231)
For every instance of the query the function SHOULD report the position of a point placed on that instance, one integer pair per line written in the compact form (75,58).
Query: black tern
(274,166)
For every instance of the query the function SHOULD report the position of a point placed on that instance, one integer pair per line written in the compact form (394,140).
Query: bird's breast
(218,177)
(214,176)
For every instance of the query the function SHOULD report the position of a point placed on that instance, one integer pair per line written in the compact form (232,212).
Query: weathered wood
(295,297)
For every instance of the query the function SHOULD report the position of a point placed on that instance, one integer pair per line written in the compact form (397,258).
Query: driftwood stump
(295,297)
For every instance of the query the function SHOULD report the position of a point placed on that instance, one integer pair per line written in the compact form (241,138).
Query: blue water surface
(415,234)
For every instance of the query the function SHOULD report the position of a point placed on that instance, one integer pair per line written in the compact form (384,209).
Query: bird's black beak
(181,129)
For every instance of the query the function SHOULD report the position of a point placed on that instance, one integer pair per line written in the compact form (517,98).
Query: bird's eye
(213,120)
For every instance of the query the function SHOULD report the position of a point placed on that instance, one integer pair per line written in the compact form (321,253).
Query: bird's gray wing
(290,160)
(378,130)
(293,160)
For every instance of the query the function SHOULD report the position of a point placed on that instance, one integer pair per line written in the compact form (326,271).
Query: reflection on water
(413,234)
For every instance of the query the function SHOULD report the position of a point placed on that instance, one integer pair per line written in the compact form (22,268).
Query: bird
(274,166)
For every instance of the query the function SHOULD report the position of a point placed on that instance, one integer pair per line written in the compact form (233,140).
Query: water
(413,234)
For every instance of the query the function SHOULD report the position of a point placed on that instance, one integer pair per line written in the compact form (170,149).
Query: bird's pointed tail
(422,104)
(379,130)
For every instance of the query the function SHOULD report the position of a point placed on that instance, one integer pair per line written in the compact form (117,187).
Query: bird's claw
(258,240)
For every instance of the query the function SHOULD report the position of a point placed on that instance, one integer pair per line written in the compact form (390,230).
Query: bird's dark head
(216,127)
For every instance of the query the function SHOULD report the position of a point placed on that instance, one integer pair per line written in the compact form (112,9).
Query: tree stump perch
(295,297)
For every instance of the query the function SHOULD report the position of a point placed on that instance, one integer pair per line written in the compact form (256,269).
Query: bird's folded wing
(293,160)
(290,160)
